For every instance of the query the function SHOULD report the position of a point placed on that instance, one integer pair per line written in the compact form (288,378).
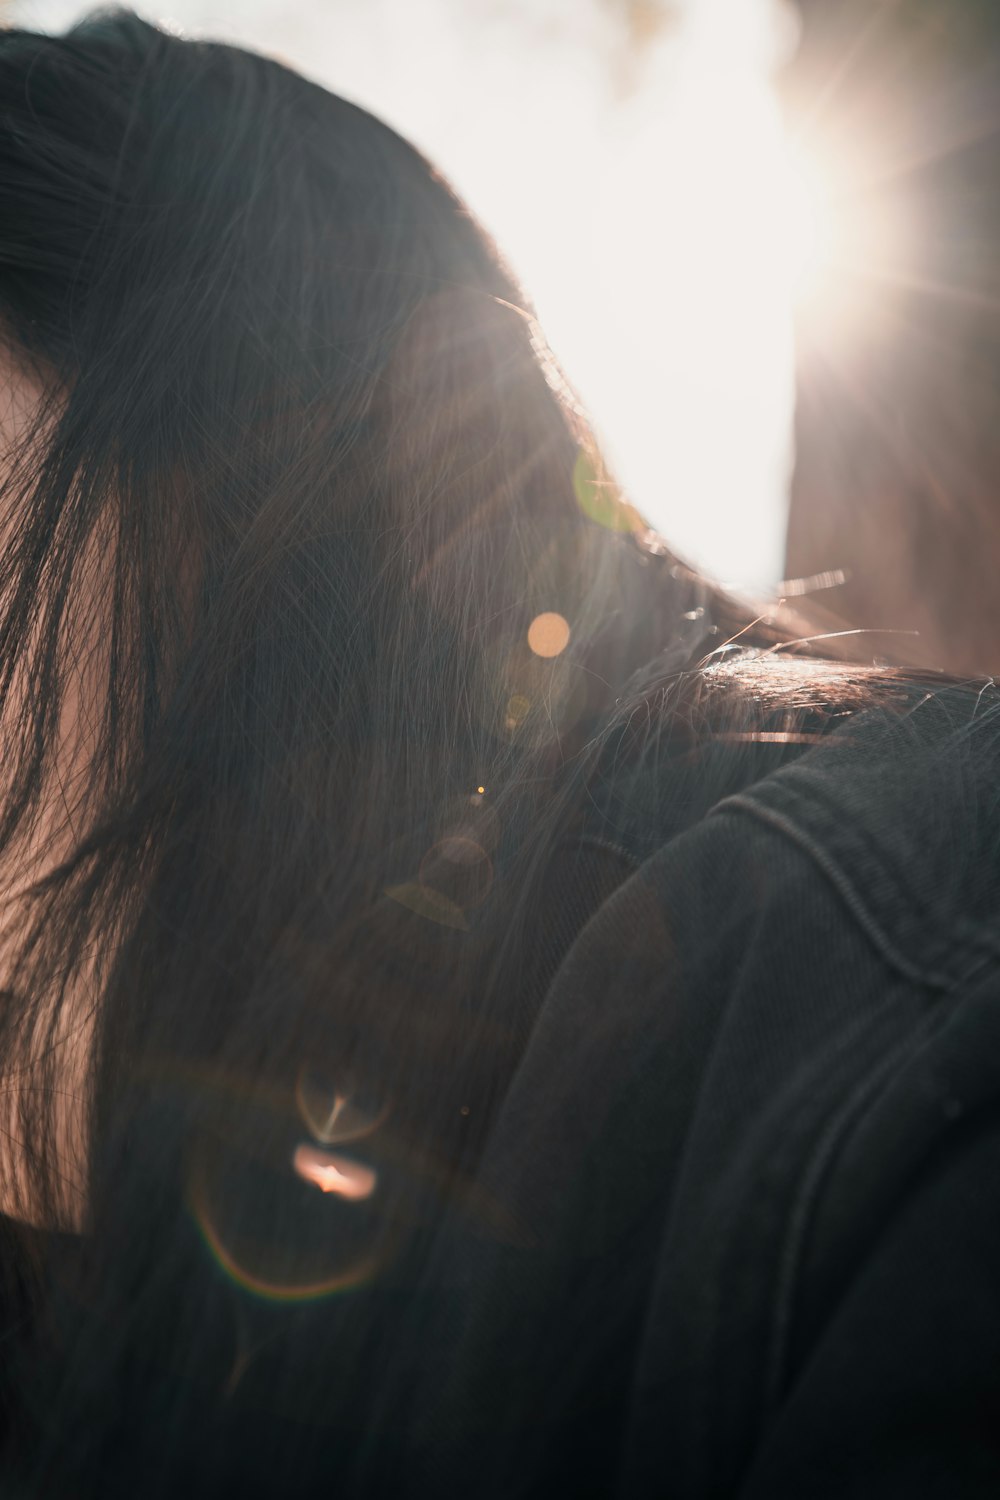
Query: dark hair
(302,478)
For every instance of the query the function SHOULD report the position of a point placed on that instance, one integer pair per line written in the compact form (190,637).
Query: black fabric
(736,1230)
(752,1153)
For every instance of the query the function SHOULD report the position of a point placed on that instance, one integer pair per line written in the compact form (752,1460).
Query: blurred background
(626,155)
(754,231)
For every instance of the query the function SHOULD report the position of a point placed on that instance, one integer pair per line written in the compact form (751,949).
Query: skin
(48,840)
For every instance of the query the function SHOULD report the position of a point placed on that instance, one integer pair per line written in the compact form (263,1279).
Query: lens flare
(424,901)
(518,709)
(599,499)
(548,634)
(458,869)
(333,1173)
(810,230)
(298,1265)
(331,1115)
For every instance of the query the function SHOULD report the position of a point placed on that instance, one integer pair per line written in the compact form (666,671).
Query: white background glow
(641,198)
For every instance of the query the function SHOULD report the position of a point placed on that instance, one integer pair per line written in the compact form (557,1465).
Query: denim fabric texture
(737,1219)
(752,1150)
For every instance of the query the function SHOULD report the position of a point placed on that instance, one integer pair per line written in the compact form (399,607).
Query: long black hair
(316,600)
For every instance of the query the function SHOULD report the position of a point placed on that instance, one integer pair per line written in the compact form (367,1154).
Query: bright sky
(651,217)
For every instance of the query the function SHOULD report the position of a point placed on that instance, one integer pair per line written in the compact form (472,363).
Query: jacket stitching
(849,894)
(968,931)
(848,1117)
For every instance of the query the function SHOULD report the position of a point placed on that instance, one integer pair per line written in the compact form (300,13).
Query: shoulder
(897,810)
(885,781)
(833,986)
(757,1047)
(867,850)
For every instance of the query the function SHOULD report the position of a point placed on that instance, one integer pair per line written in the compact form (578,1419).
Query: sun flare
(807,228)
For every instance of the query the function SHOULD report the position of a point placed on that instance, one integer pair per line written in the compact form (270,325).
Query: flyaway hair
(280,752)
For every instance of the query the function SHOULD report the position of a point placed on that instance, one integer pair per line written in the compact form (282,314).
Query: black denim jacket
(752,1152)
(743,1228)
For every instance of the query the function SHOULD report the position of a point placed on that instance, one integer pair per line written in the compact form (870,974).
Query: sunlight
(333,1173)
(807,226)
(650,205)
(673,315)
(848,244)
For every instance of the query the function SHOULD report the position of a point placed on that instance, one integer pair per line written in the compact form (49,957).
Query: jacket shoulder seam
(847,890)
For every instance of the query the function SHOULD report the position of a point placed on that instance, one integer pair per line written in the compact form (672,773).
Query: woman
(481,1015)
